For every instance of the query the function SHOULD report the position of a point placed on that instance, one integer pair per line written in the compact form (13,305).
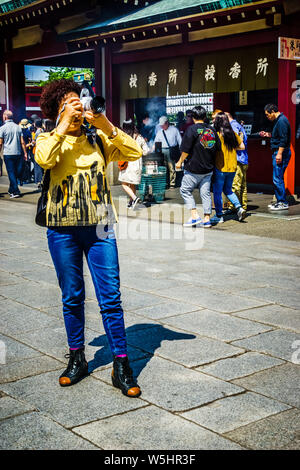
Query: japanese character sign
(235,70)
(262,66)
(173,76)
(133,80)
(210,72)
(152,79)
(289,48)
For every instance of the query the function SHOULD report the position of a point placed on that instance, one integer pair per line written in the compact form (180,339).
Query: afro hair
(53,93)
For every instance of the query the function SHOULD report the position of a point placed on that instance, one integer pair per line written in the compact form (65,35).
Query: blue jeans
(14,165)
(191,181)
(223,183)
(67,246)
(38,172)
(278,174)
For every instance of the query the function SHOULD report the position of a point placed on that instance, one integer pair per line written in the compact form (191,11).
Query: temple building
(161,57)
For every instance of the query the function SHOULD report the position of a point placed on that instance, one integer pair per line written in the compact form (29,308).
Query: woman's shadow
(144,338)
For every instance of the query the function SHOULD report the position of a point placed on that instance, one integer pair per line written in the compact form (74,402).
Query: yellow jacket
(226,160)
(79,194)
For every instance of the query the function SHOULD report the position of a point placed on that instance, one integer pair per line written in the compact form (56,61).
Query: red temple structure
(244,53)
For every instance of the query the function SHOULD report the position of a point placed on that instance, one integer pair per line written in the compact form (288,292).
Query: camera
(90,101)
(95,104)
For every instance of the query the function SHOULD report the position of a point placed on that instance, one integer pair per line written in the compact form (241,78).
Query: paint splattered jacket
(79,194)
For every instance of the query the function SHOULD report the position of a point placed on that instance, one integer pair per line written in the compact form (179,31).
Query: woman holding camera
(80,216)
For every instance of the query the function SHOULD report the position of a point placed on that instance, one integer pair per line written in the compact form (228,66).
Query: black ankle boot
(76,369)
(122,377)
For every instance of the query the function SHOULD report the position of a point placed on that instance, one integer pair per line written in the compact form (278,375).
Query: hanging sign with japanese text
(219,72)
(243,98)
(235,70)
(150,79)
(288,48)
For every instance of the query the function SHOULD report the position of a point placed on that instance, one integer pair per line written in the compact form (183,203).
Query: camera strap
(58,117)
(100,145)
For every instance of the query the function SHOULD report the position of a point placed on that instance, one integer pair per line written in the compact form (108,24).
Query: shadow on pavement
(148,343)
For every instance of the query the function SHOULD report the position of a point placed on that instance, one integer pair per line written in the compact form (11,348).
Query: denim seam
(98,291)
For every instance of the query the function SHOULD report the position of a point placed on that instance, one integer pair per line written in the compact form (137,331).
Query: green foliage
(56,73)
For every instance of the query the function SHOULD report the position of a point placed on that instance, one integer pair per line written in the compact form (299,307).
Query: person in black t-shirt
(198,150)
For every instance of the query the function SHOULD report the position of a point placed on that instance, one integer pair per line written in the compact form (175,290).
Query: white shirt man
(172,133)
(12,141)
(172,139)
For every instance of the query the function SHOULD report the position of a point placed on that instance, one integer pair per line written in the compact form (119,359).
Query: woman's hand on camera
(71,115)
(100,121)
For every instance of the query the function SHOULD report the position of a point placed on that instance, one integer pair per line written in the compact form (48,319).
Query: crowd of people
(212,155)
(214,159)
(19,143)
(209,155)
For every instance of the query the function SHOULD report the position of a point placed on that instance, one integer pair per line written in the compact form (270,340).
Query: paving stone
(146,283)
(10,244)
(16,351)
(153,429)
(169,385)
(287,259)
(94,398)
(93,318)
(15,318)
(281,268)
(27,368)
(131,299)
(10,407)
(227,283)
(274,315)
(212,299)
(230,413)
(38,243)
(208,269)
(7,279)
(53,342)
(16,237)
(41,275)
(285,297)
(278,343)
(34,254)
(281,431)
(216,325)
(181,347)
(280,383)
(245,364)
(32,294)
(33,431)
(166,309)
(132,321)
(50,341)
(10,265)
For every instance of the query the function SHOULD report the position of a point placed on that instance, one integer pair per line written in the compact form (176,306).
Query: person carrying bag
(170,139)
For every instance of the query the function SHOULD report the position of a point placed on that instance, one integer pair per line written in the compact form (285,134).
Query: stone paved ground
(260,220)
(213,327)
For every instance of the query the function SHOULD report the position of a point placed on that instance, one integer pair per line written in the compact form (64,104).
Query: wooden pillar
(15,83)
(286,77)
(98,70)
(2,88)
(108,83)
(116,95)
(129,109)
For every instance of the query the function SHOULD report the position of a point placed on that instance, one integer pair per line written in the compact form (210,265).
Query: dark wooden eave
(86,38)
